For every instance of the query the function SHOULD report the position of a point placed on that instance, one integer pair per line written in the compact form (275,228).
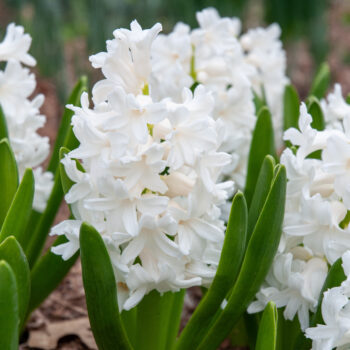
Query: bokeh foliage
(54,22)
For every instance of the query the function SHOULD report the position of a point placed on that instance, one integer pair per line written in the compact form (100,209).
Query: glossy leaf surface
(8,178)
(259,255)
(230,261)
(19,212)
(267,334)
(261,145)
(101,292)
(9,319)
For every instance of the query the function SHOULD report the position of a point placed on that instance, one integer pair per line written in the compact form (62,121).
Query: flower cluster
(336,315)
(231,67)
(148,173)
(22,114)
(316,231)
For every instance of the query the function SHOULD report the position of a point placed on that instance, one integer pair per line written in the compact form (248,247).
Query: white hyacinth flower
(315,233)
(335,333)
(22,113)
(152,165)
(15,46)
(231,67)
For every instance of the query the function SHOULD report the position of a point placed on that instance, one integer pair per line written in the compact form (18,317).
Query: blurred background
(65,32)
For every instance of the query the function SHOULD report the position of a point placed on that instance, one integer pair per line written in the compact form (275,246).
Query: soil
(67,302)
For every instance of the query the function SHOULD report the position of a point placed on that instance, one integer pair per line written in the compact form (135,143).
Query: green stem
(129,319)
(175,318)
(151,315)
(163,329)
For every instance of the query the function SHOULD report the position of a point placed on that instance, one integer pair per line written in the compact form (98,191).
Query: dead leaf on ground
(48,337)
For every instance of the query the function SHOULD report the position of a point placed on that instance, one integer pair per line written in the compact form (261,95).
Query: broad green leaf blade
(101,292)
(230,262)
(261,145)
(38,237)
(334,279)
(291,104)
(8,178)
(348,99)
(314,108)
(267,333)
(9,320)
(321,81)
(47,273)
(30,228)
(3,126)
(12,253)
(256,262)
(65,125)
(262,189)
(20,210)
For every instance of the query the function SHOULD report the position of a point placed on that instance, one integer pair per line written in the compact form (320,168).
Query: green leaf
(256,262)
(348,99)
(64,136)
(3,126)
(47,273)
(267,333)
(101,292)
(334,279)
(38,237)
(12,253)
(30,228)
(261,145)
(262,189)
(19,213)
(291,104)
(8,178)
(9,319)
(227,271)
(314,108)
(321,81)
